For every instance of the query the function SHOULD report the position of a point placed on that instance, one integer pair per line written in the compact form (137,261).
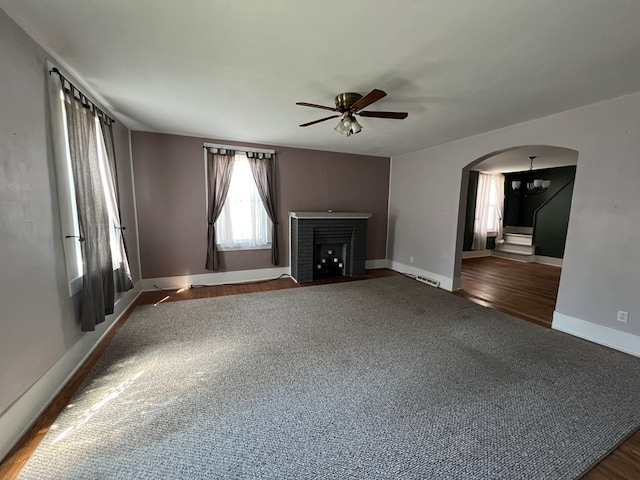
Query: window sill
(235,249)
(75,286)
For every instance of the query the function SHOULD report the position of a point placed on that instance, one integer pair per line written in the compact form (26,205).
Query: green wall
(472,193)
(519,210)
(551,223)
(550,233)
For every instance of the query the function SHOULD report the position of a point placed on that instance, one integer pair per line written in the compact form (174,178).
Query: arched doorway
(516,267)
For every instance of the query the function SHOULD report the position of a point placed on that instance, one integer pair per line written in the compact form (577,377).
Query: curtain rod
(239,149)
(83,97)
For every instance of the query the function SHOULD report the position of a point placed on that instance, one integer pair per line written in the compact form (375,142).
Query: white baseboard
(607,336)
(373,264)
(446,283)
(19,417)
(214,278)
(553,261)
(239,276)
(476,253)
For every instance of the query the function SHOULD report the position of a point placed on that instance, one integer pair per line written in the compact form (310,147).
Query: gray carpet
(377,379)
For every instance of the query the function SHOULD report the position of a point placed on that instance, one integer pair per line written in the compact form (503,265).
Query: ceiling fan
(350,104)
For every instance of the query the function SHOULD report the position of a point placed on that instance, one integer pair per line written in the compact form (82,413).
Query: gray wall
(600,270)
(170,196)
(37,315)
(38,323)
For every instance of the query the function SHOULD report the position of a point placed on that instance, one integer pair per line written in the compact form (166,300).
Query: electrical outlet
(410,259)
(623,316)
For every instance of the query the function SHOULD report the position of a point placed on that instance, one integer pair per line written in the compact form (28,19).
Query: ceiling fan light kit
(349,104)
(348,126)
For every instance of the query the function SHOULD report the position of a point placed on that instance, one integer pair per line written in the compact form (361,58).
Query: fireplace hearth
(325,244)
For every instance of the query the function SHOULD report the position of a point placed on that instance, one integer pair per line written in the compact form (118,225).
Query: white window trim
(66,196)
(233,249)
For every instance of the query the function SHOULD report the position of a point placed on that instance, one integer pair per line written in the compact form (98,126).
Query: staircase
(516,246)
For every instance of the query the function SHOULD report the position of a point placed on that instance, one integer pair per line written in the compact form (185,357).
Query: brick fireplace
(327,244)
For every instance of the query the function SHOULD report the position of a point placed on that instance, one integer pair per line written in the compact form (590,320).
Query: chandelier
(530,188)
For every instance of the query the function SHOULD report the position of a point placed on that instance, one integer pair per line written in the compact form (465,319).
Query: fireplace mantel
(329,214)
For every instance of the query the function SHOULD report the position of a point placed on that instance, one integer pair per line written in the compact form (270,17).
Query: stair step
(515,252)
(516,248)
(518,238)
(518,256)
(520,230)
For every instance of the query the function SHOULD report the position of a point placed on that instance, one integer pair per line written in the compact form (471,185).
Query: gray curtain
(93,217)
(264,173)
(124,282)
(219,168)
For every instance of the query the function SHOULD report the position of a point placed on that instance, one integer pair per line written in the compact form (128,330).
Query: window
(111,201)
(489,207)
(67,194)
(492,213)
(243,222)
(69,211)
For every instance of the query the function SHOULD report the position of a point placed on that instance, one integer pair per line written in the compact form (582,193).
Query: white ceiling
(233,69)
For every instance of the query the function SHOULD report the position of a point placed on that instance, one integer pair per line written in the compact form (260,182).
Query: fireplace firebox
(327,244)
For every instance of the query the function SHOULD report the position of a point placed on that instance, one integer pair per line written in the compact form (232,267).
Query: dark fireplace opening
(329,260)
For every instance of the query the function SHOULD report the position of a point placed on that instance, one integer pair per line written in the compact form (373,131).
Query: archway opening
(514,212)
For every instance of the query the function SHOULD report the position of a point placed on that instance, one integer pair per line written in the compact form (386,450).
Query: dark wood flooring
(156,296)
(524,290)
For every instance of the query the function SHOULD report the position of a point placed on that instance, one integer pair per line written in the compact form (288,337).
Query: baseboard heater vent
(429,281)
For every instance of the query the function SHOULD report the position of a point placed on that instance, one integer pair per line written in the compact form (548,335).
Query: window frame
(70,226)
(242,150)
(492,231)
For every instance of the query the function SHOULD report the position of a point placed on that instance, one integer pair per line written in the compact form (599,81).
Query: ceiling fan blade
(313,105)
(396,115)
(373,96)
(318,121)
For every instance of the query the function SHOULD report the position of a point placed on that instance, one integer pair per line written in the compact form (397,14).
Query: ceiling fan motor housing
(349,104)
(344,101)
